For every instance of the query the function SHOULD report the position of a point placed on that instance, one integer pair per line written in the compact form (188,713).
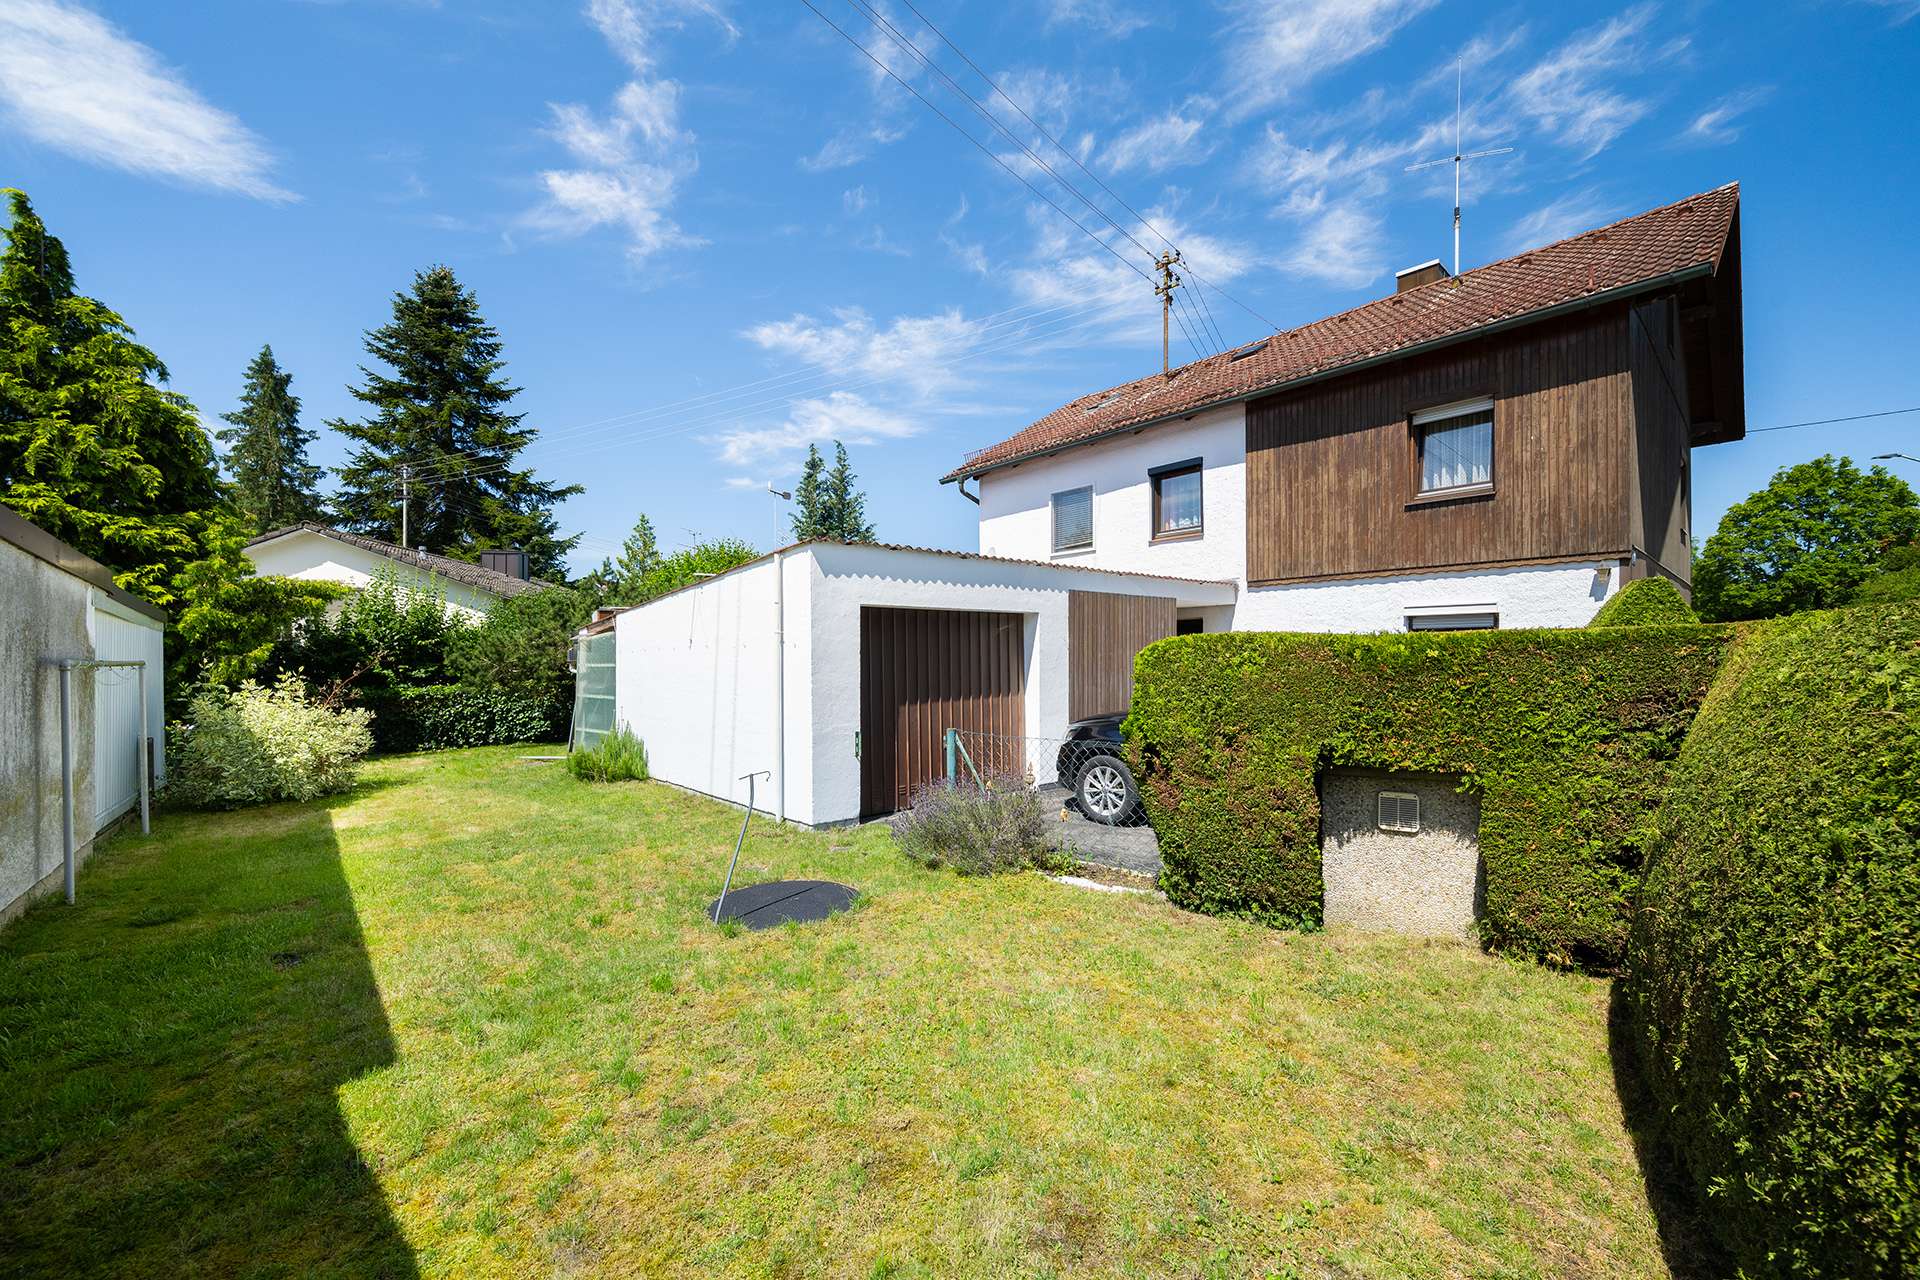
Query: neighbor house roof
(1660,247)
(471,575)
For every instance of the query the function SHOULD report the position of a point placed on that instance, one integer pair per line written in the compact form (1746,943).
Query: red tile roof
(1630,255)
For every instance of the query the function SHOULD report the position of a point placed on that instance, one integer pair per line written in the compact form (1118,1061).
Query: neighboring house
(57,607)
(1504,448)
(332,555)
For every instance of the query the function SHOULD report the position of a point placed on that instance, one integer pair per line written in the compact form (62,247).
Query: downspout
(974,498)
(780,686)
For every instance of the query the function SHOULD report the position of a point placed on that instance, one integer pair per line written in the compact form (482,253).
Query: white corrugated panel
(120,635)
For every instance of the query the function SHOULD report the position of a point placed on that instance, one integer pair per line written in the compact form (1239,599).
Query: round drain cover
(761,906)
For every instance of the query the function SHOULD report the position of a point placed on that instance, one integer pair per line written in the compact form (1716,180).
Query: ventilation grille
(1399,811)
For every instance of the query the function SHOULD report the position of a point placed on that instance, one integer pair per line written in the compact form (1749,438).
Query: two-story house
(1502,448)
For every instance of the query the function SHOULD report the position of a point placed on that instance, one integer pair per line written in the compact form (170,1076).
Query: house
(315,551)
(76,653)
(1502,448)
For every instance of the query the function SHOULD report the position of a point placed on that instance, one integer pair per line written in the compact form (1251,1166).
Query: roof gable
(468,575)
(1661,246)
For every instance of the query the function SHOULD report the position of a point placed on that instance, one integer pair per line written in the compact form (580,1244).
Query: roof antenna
(1457,159)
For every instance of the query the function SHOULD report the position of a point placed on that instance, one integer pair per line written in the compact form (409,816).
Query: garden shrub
(1886,588)
(1773,978)
(977,829)
(1645,602)
(255,744)
(618,757)
(440,717)
(1564,734)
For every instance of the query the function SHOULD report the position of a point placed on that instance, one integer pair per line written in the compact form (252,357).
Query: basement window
(1073,520)
(1453,621)
(1455,444)
(1399,811)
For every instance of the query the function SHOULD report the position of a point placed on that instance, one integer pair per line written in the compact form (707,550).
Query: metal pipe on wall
(66,771)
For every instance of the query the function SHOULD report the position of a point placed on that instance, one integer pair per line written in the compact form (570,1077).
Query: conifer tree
(273,483)
(615,582)
(93,449)
(844,510)
(810,499)
(442,410)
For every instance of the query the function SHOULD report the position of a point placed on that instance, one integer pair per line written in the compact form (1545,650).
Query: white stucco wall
(305,554)
(1016,520)
(121,634)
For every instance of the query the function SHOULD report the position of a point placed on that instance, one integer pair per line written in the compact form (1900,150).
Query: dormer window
(1455,444)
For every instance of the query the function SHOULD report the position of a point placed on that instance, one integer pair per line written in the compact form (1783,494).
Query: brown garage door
(922,672)
(1104,633)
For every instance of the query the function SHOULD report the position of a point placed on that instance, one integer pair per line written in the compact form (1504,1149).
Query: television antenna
(1458,159)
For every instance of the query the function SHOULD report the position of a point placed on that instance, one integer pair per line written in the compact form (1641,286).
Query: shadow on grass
(169,1054)
(1686,1242)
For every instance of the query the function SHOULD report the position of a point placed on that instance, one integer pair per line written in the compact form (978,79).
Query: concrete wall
(1428,883)
(305,554)
(43,614)
(1016,521)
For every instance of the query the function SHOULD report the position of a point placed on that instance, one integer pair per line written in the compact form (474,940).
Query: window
(1456,446)
(1453,621)
(1399,811)
(1189,626)
(1073,520)
(1176,499)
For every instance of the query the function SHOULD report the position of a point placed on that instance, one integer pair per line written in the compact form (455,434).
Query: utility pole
(1169,281)
(1457,159)
(403,504)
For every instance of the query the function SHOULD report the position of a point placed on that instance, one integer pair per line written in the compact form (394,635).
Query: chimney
(512,561)
(1413,277)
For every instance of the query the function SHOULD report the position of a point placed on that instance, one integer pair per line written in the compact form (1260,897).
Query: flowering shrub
(255,744)
(978,830)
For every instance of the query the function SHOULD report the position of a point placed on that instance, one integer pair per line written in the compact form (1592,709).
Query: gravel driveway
(1129,848)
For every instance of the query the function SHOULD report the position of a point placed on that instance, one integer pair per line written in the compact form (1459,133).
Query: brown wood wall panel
(924,671)
(1662,431)
(1332,471)
(1104,632)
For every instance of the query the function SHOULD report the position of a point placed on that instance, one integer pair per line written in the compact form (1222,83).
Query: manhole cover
(761,906)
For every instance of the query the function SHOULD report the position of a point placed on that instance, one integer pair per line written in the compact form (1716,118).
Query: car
(1092,764)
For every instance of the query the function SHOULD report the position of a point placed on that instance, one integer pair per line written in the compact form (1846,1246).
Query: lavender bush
(978,830)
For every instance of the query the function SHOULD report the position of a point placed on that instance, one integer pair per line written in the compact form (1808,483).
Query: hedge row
(436,717)
(1773,978)
(1566,735)
(1645,602)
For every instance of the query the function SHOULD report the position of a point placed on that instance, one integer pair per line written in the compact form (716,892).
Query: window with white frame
(1073,519)
(1455,442)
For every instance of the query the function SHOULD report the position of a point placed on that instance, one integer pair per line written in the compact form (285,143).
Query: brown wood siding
(1332,469)
(924,671)
(1662,431)
(1104,632)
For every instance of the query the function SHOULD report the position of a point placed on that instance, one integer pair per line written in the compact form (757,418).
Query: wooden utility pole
(1169,281)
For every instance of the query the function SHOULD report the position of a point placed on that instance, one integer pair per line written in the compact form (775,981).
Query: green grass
(468,1021)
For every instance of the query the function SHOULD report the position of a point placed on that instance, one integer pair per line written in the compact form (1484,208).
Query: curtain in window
(1073,519)
(1180,502)
(1457,452)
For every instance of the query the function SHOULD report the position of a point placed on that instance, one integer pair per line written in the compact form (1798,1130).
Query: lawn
(469,1021)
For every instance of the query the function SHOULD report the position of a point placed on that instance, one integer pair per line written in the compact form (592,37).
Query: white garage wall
(123,635)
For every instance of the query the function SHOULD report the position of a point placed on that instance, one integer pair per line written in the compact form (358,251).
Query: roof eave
(1665,280)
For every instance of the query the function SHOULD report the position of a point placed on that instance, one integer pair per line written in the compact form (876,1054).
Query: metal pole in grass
(745,818)
(66,772)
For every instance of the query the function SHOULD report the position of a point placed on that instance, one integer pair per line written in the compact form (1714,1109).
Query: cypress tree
(810,498)
(845,507)
(443,411)
(93,449)
(273,483)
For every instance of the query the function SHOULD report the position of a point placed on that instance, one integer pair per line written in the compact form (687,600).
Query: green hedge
(1645,602)
(437,717)
(1773,978)
(1565,735)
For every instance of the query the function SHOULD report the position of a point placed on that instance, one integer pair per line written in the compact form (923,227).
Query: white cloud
(850,146)
(75,82)
(1276,49)
(854,200)
(1571,214)
(1902,10)
(913,352)
(1715,126)
(1339,243)
(840,415)
(1563,93)
(1160,143)
(1114,21)
(630,161)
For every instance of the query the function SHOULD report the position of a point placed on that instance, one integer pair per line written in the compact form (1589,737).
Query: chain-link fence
(1085,774)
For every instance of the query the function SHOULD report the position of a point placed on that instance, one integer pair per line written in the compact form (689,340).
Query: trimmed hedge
(1565,735)
(1773,978)
(437,717)
(1645,602)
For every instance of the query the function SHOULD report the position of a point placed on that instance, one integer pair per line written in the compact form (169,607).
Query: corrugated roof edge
(18,531)
(596,628)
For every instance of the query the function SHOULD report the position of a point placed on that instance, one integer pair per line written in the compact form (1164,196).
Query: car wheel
(1106,791)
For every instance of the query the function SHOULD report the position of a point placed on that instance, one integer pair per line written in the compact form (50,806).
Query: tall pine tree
(273,483)
(92,448)
(443,412)
(810,499)
(845,506)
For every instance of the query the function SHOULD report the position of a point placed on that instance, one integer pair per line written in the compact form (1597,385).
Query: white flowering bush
(255,744)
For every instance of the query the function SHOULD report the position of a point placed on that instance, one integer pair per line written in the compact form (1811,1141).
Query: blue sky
(712,232)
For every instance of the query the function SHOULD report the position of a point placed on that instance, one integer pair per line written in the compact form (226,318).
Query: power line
(1822,422)
(1078,163)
